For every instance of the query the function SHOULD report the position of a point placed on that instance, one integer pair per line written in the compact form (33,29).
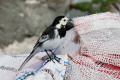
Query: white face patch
(63,21)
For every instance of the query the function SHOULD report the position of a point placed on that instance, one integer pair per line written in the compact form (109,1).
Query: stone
(26,18)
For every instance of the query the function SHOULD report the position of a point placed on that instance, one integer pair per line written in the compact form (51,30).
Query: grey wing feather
(43,38)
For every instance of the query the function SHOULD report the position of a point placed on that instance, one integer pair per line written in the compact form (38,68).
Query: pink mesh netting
(93,47)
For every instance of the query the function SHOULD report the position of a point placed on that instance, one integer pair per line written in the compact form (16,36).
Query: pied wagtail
(51,38)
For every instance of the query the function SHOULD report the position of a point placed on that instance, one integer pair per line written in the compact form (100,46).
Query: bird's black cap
(57,19)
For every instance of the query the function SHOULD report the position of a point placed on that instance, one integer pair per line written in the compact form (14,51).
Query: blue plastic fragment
(42,65)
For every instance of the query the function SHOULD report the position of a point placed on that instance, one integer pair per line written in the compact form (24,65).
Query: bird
(51,37)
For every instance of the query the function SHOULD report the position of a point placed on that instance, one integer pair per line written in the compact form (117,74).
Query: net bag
(93,47)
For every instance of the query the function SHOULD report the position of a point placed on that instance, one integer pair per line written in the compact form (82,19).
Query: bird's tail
(27,59)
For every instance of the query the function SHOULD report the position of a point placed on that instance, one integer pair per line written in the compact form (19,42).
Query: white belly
(51,44)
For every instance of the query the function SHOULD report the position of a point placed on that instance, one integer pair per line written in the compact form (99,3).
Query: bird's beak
(69,25)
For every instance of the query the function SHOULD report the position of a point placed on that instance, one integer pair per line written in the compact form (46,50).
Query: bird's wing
(47,34)
(38,43)
(44,38)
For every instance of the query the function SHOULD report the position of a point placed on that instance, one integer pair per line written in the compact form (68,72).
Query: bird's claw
(57,58)
(51,59)
(54,57)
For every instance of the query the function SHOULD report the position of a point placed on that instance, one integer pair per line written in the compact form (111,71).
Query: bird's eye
(64,20)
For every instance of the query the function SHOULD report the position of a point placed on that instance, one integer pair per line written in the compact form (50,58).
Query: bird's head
(63,21)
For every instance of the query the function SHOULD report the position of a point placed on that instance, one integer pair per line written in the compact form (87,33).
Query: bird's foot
(52,58)
(56,58)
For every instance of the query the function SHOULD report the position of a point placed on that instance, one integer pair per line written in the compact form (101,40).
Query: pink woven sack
(93,47)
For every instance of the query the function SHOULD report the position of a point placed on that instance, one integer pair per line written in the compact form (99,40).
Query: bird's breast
(51,44)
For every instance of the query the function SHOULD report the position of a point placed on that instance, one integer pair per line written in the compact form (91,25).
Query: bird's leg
(52,53)
(55,57)
(49,56)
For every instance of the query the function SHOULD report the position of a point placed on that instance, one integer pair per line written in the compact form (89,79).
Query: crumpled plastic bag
(10,64)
